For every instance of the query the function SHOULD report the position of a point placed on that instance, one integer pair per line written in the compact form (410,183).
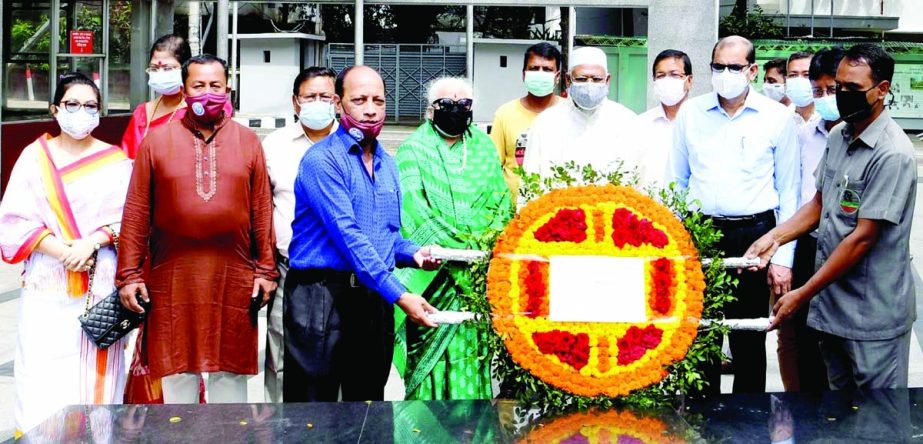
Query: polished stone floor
(874,416)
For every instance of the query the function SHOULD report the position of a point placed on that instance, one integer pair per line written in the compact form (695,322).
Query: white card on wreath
(597,289)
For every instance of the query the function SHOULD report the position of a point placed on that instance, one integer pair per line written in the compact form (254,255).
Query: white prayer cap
(587,55)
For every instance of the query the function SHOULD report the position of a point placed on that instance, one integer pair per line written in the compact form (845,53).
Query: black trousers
(748,348)
(337,336)
(812,373)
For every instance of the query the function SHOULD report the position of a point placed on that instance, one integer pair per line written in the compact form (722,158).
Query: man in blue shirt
(339,292)
(736,152)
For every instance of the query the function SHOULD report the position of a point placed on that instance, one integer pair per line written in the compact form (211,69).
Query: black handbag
(108,320)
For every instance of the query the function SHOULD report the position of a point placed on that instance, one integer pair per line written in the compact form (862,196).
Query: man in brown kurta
(200,205)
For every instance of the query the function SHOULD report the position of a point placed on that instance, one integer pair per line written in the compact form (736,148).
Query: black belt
(282,260)
(324,275)
(743,221)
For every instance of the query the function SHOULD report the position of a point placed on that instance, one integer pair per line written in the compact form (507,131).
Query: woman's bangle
(106,231)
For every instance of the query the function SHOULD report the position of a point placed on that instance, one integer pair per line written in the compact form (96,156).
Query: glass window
(27,56)
(119,55)
(27,48)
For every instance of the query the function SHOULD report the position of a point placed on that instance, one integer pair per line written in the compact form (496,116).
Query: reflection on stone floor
(870,416)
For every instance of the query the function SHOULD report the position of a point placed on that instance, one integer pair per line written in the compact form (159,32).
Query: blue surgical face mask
(316,115)
(166,83)
(539,83)
(826,107)
(798,90)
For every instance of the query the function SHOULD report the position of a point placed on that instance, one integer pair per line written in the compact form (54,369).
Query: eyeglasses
(161,68)
(72,106)
(315,97)
(672,75)
(818,92)
(733,68)
(447,103)
(588,79)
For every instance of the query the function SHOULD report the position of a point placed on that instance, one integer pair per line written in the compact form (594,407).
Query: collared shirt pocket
(849,200)
(388,205)
(756,154)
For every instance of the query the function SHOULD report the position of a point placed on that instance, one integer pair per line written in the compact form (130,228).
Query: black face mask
(452,122)
(854,105)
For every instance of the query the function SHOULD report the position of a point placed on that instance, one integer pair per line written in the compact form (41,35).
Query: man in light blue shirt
(736,152)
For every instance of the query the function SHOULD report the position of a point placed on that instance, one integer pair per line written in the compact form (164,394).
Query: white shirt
(801,123)
(599,138)
(658,131)
(284,149)
(740,165)
(812,140)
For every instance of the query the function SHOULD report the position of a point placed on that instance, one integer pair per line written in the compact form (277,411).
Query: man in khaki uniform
(862,295)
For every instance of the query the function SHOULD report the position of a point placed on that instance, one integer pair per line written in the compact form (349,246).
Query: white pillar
(691,27)
(469,42)
(221,43)
(195,26)
(234,47)
(359,38)
(571,30)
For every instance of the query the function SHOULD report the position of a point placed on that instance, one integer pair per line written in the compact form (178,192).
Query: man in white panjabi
(588,128)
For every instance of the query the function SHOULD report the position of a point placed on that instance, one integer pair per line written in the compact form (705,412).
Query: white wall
(266,88)
(495,85)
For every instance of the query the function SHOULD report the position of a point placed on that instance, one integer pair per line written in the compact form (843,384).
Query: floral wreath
(603,427)
(595,358)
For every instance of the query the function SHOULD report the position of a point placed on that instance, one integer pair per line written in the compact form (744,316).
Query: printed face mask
(316,115)
(361,131)
(728,84)
(165,83)
(775,91)
(588,96)
(539,83)
(207,108)
(798,89)
(669,90)
(78,124)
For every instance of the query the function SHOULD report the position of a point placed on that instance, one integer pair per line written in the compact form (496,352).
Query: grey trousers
(866,364)
(275,341)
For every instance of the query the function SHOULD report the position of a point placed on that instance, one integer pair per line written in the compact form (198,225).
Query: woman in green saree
(453,191)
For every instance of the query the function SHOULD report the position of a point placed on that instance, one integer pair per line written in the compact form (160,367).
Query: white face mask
(588,96)
(166,83)
(729,85)
(669,90)
(798,89)
(775,91)
(826,107)
(316,115)
(78,124)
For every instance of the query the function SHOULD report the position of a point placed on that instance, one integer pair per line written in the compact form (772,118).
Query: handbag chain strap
(92,274)
(92,271)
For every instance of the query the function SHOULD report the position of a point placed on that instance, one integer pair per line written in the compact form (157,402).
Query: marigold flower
(576,356)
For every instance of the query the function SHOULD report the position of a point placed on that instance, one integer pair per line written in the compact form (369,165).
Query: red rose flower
(567,225)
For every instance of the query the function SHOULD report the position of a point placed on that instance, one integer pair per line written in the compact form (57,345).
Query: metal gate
(406,70)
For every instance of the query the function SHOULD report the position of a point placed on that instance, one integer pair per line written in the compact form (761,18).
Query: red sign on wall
(81,42)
